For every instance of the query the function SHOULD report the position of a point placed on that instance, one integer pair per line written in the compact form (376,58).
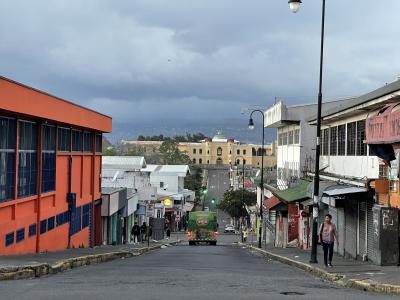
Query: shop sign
(384,127)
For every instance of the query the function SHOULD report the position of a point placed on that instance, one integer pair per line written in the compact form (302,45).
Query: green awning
(296,193)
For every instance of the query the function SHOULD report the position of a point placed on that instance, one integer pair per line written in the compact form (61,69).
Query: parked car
(229,229)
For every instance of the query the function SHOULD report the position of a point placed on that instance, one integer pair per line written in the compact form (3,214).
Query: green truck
(202,228)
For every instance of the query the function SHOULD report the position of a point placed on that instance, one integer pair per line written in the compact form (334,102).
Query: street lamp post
(237,166)
(251,126)
(294,5)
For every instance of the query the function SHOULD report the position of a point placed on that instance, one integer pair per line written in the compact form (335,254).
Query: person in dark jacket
(143,230)
(135,233)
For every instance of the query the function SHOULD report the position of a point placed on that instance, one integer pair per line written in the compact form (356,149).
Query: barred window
(325,142)
(333,141)
(77,140)
(342,140)
(27,159)
(64,139)
(297,136)
(48,158)
(351,138)
(290,138)
(7,158)
(99,142)
(383,171)
(284,138)
(87,141)
(361,146)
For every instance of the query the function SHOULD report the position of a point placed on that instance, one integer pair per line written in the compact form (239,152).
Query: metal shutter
(370,231)
(351,228)
(362,223)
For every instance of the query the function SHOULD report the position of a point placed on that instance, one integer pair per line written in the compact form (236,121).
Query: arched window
(219,161)
(208,162)
(219,151)
(244,161)
(253,152)
(194,160)
(200,161)
(238,162)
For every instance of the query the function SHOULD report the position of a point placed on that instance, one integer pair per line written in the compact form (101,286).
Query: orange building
(50,164)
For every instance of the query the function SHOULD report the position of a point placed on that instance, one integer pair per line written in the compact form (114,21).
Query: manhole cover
(292,294)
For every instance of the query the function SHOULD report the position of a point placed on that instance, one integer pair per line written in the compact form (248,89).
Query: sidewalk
(347,272)
(39,264)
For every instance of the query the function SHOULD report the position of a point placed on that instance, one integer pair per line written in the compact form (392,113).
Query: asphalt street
(183,272)
(218,183)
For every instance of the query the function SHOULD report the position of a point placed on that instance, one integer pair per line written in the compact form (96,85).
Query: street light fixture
(294,6)
(251,126)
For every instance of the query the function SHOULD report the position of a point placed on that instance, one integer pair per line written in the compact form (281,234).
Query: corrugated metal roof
(344,189)
(296,193)
(378,93)
(167,169)
(124,162)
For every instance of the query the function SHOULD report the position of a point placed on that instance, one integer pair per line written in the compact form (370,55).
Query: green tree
(171,155)
(194,181)
(109,152)
(232,202)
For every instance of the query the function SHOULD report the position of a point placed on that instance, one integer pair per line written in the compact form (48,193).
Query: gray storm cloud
(207,59)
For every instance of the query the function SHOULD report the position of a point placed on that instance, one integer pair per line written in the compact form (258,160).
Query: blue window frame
(20,235)
(64,139)
(99,142)
(62,218)
(8,136)
(27,159)
(50,223)
(43,226)
(48,158)
(87,141)
(77,140)
(9,239)
(32,230)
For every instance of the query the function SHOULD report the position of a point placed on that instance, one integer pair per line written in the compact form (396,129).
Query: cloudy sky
(187,62)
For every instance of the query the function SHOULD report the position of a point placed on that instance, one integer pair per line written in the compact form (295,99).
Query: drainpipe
(69,199)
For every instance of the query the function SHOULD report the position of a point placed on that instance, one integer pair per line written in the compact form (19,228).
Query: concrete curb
(39,270)
(339,279)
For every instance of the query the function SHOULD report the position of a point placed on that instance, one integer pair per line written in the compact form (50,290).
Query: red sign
(177,218)
(384,127)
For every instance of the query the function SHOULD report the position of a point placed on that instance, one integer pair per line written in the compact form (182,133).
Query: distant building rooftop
(124,162)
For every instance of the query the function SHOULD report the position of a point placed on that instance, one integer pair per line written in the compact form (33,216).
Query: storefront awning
(340,189)
(296,193)
(271,202)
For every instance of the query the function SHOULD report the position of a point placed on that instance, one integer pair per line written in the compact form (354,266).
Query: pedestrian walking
(135,232)
(245,233)
(168,233)
(327,237)
(143,230)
